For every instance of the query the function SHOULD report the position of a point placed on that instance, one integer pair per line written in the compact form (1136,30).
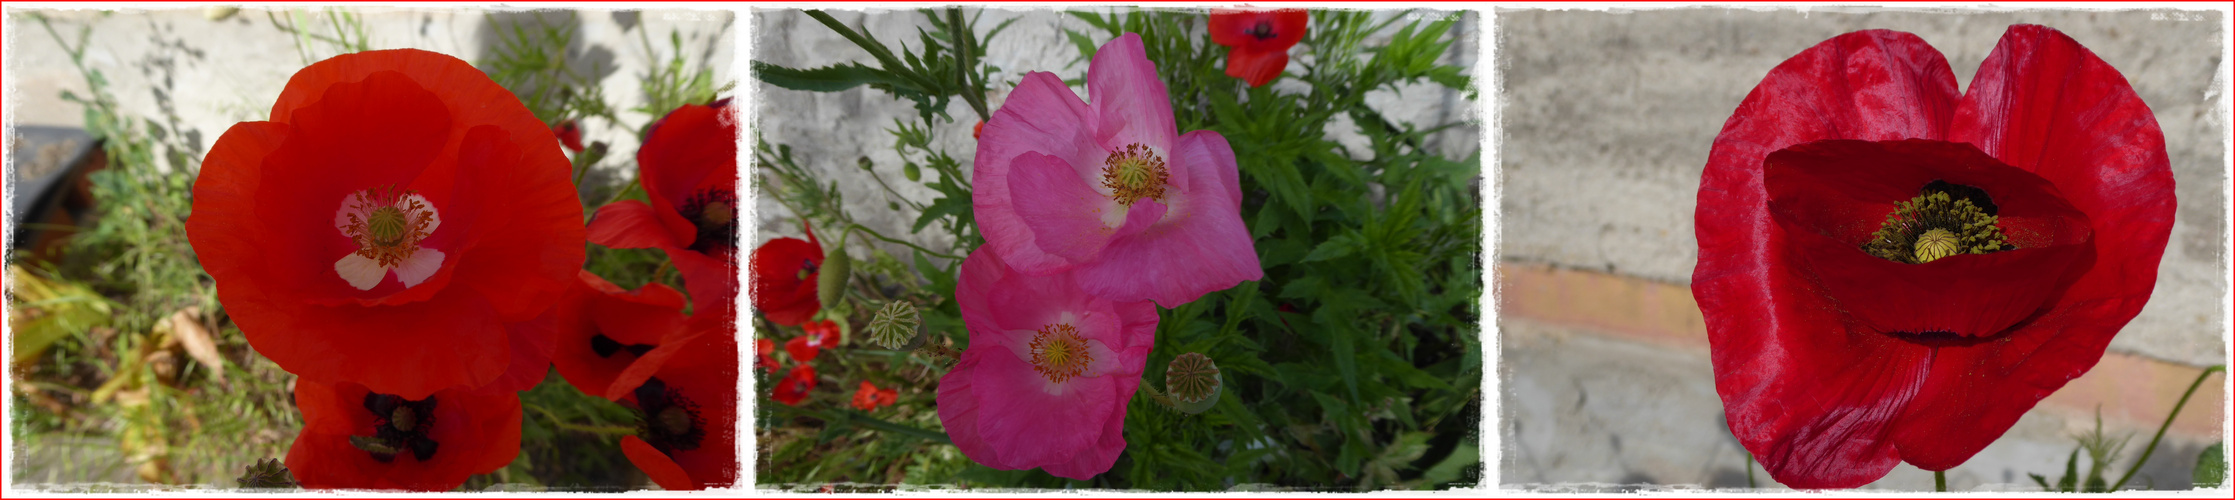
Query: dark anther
(714,212)
(398,424)
(1977,196)
(670,422)
(606,346)
(1263,30)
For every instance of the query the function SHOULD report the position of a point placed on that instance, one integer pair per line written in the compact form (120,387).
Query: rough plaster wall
(1609,115)
(829,131)
(213,74)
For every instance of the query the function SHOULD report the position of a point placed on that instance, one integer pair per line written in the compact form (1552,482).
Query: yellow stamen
(1059,354)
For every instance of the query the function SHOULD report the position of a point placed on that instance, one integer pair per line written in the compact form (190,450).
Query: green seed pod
(895,325)
(267,473)
(1194,382)
(910,171)
(831,286)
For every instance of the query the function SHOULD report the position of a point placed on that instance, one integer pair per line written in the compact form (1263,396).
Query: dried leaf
(186,327)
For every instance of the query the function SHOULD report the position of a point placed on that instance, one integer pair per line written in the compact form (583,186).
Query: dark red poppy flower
(354,438)
(397,213)
(869,397)
(766,348)
(784,275)
(820,335)
(570,135)
(1891,272)
(607,329)
(1257,40)
(685,394)
(793,388)
(688,167)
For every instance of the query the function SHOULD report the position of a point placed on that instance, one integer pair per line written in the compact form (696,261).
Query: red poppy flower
(784,274)
(1257,40)
(2036,208)
(686,396)
(767,347)
(570,135)
(820,335)
(607,329)
(688,167)
(869,397)
(354,438)
(793,388)
(389,222)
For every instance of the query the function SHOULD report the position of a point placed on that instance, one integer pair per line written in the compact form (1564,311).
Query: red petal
(1256,67)
(477,432)
(1810,399)
(2044,103)
(712,281)
(1233,28)
(778,290)
(694,148)
(662,469)
(646,316)
(527,245)
(1829,196)
(469,95)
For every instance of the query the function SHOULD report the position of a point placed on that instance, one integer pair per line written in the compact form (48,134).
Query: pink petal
(1099,456)
(1200,247)
(1040,116)
(1131,105)
(1028,425)
(1067,219)
(958,412)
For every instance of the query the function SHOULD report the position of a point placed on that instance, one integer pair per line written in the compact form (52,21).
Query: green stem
(1940,481)
(864,420)
(2152,448)
(884,57)
(966,57)
(1750,471)
(873,234)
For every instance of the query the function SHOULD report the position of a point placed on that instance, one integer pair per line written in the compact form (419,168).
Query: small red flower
(869,397)
(353,438)
(685,392)
(607,329)
(688,167)
(977,130)
(388,226)
(767,347)
(793,388)
(820,335)
(1257,40)
(1894,272)
(570,135)
(784,274)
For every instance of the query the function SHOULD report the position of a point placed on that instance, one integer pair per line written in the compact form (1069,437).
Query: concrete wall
(1607,119)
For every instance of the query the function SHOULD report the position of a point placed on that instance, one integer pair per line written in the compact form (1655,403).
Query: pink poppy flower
(1110,189)
(1048,373)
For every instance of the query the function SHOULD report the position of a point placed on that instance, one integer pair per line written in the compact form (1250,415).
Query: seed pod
(895,325)
(831,286)
(910,171)
(1193,382)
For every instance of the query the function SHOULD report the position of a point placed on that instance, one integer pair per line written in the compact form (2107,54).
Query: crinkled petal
(630,224)
(1131,105)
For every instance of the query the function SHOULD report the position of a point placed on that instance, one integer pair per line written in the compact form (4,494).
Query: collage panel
(1149,250)
(1718,268)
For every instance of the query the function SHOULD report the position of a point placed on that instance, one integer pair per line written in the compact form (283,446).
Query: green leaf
(2211,466)
(1338,327)
(2071,478)
(940,208)
(1336,247)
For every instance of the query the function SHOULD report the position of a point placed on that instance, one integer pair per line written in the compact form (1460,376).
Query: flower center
(387,226)
(1058,353)
(399,425)
(1941,221)
(1133,173)
(671,422)
(1263,30)
(806,268)
(714,212)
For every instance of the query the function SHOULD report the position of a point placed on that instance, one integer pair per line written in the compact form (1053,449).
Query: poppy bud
(910,171)
(830,286)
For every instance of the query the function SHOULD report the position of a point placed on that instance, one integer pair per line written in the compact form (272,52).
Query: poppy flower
(1048,373)
(685,395)
(397,213)
(820,335)
(1111,190)
(354,438)
(1891,272)
(688,167)
(793,388)
(767,347)
(570,135)
(784,275)
(608,328)
(869,397)
(1257,41)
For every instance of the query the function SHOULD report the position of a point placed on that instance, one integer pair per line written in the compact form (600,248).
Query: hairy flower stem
(2147,450)
(1940,481)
